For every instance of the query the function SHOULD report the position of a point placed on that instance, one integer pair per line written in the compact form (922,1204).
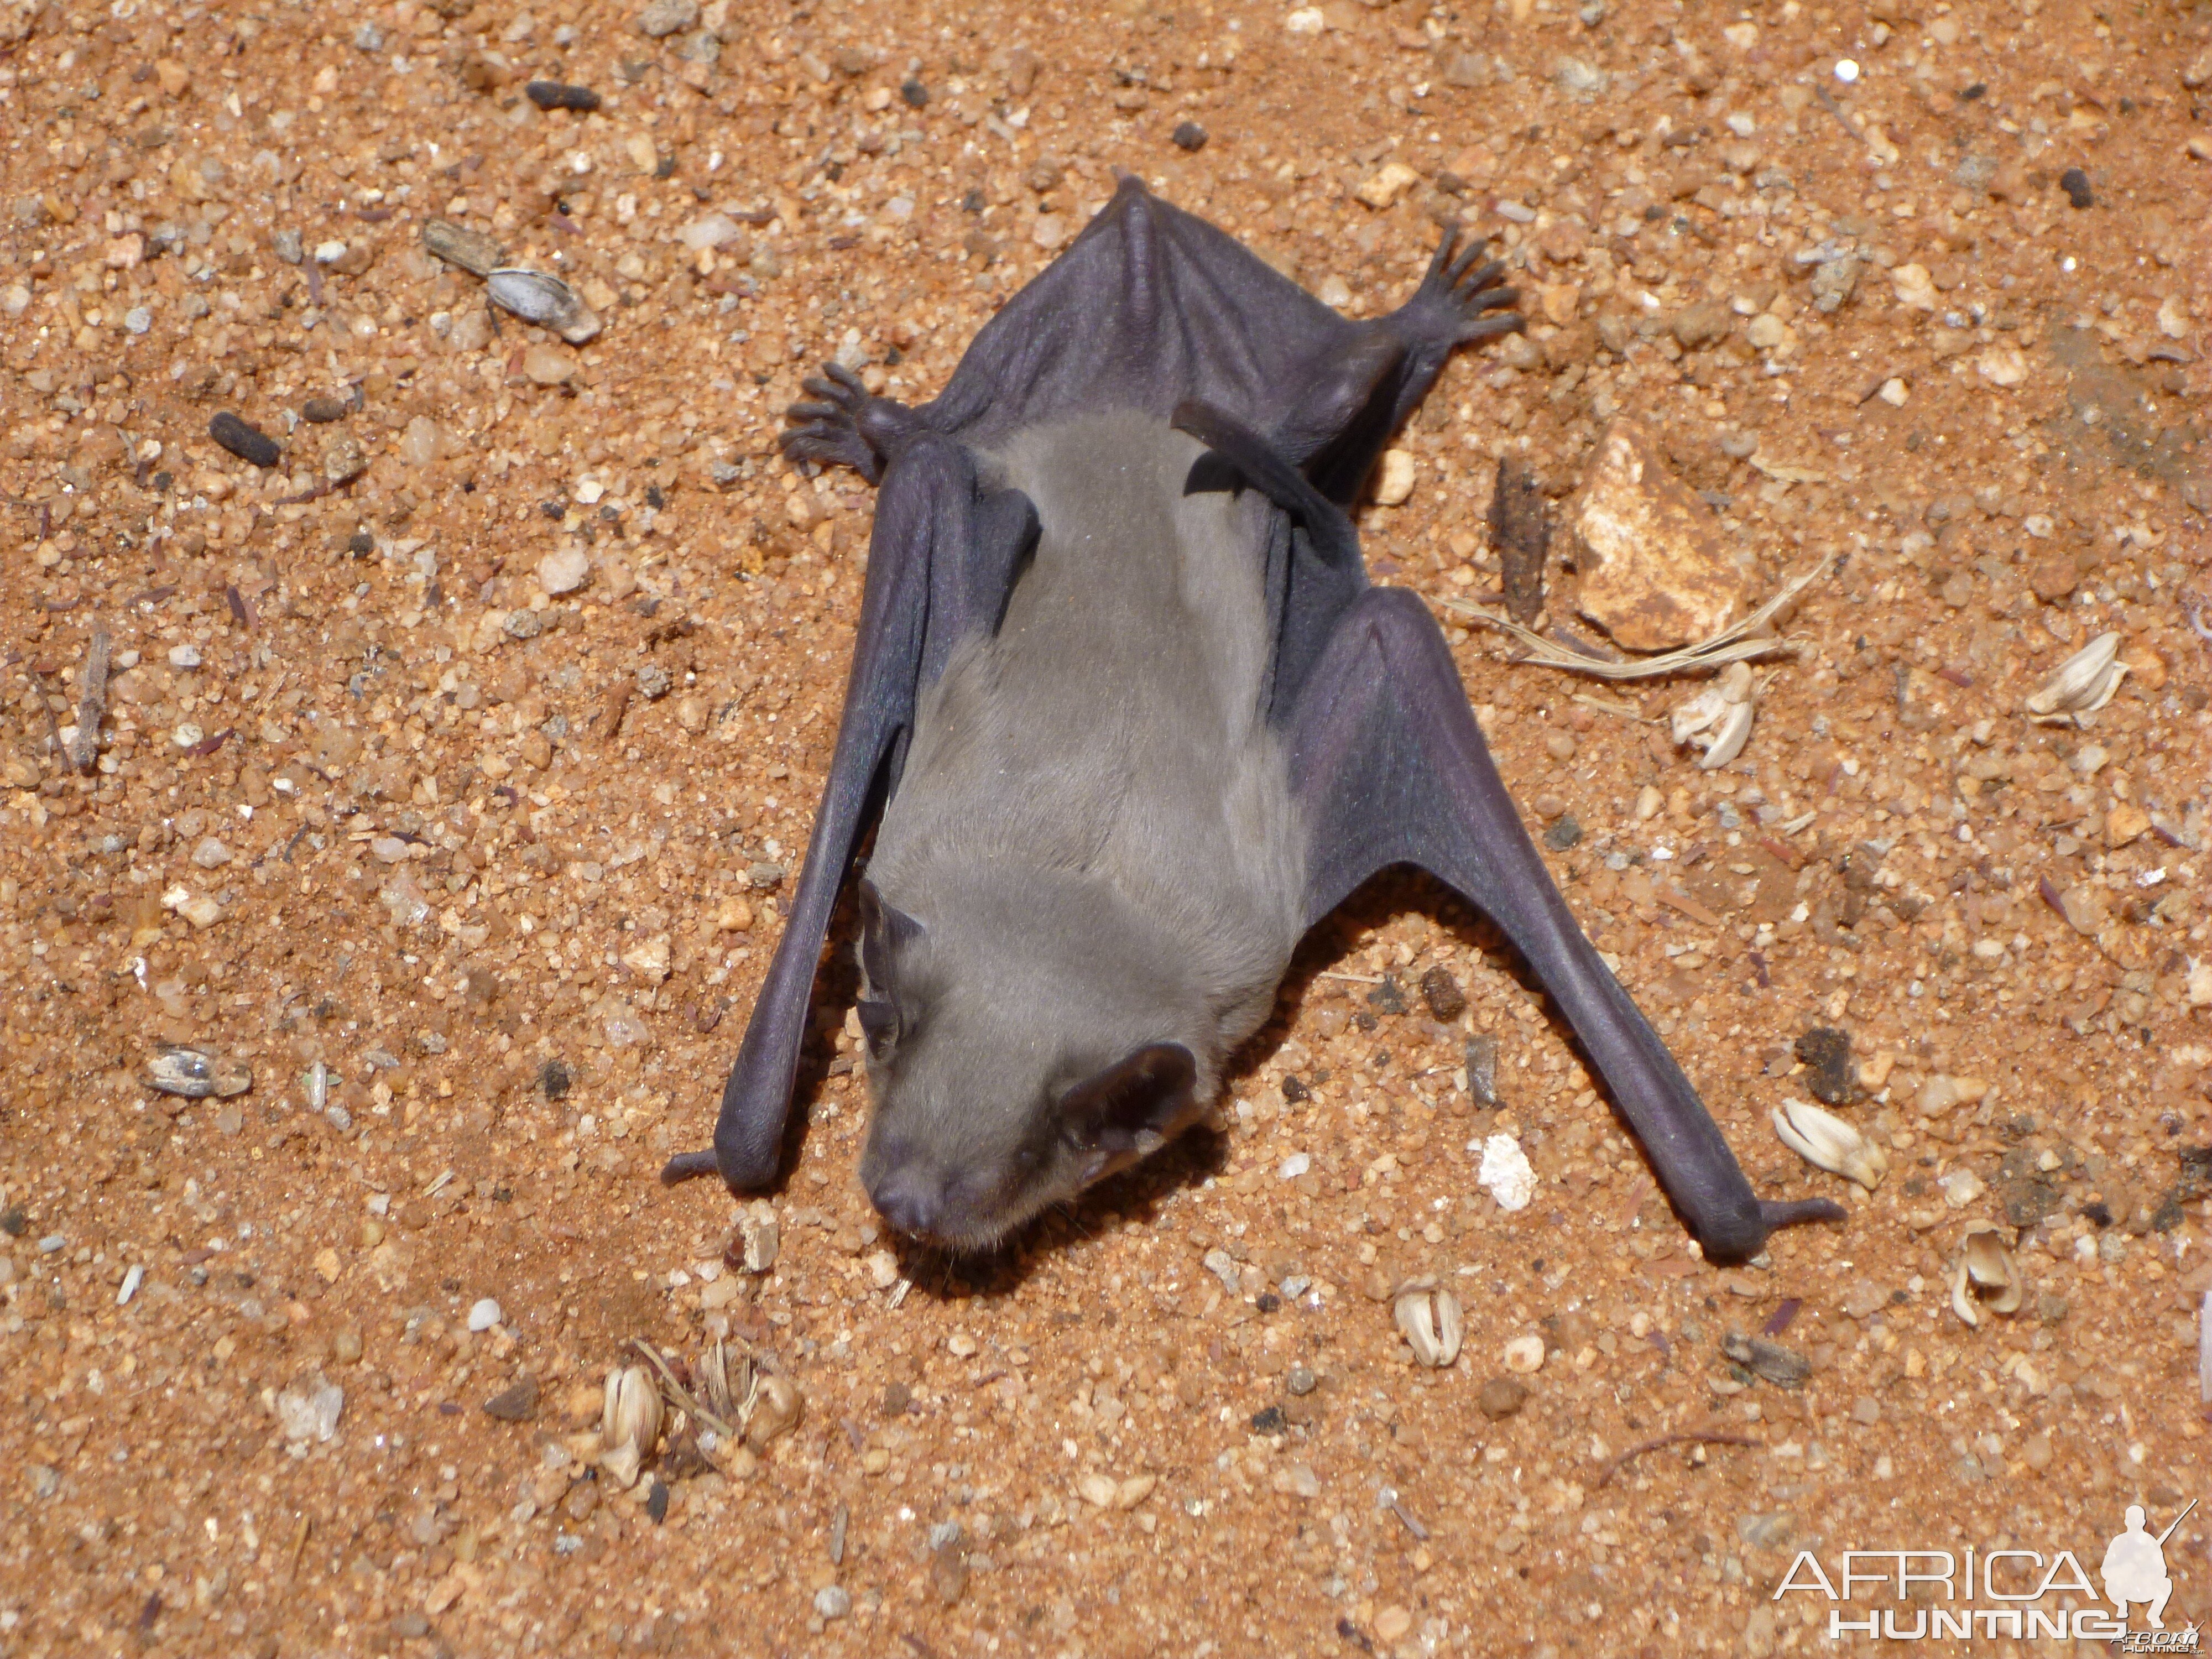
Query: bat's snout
(913,1200)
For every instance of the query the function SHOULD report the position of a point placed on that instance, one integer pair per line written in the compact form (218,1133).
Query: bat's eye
(879,1024)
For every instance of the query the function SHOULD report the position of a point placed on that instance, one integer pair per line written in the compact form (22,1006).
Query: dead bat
(1137,720)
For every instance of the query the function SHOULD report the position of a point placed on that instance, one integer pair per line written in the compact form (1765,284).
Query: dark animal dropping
(559,94)
(1442,993)
(1827,1052)
(1189,136)
(2075,183)
(1137,720)
(247,443)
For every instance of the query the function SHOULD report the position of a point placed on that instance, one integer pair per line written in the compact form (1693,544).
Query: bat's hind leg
(1390,767)
(849,426)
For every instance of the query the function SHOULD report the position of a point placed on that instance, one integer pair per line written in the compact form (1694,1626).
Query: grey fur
(1094,830)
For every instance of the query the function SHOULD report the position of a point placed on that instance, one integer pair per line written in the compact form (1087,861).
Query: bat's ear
(886,931)
(1136,1103)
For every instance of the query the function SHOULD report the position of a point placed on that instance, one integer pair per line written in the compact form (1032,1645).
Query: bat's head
(1017,1052)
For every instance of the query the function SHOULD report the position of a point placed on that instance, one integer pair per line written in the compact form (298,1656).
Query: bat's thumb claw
(1804,1209)
(687,1166)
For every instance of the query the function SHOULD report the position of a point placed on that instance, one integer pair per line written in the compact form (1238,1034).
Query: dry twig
(1688,1436)
(1730,645)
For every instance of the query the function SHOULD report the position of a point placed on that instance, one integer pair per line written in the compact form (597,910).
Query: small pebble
(665,17)
(559,94)
(517,1404)
(1524,1354)
(564,570)
(183,656)
(1189,136)
(833,1602)
(1481,1058)
(547,367)
(484,1314)
(420,444)
(1299,1380)
(248,443)
(322,410)
(1502,1396)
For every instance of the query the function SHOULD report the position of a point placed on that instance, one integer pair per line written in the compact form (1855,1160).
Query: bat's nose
(910,1199)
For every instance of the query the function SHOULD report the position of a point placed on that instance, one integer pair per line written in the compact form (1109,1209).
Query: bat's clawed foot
(847,425)
(1463,296)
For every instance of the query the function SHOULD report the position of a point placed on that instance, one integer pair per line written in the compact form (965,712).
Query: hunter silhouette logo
(2135,1567)
(1910,1595)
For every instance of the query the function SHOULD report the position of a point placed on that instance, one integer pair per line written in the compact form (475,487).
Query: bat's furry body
(1138,720)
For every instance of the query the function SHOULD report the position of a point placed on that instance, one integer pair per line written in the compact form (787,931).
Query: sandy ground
(507,864)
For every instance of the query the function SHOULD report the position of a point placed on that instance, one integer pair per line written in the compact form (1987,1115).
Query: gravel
(572,886)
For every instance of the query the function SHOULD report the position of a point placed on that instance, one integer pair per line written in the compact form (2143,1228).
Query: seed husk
(1430,1320)
(1827,1142)
(1984,1275)
(773,1412)
(1718,719)
(559,94)
(2083,684)
(471,249)
(547,301)
(196,1073)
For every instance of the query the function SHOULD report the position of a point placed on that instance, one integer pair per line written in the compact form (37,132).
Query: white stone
(484,1314)
(309,1410)
(1505,1173)
(1525,1354)
(1396,482)
(564,570)
(1294,1166)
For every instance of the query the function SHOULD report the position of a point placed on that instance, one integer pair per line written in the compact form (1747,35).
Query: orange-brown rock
(1654,575)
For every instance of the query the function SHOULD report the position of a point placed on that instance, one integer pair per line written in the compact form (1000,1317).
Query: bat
(1127,718)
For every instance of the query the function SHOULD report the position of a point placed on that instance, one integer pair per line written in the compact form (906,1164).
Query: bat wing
(942,557)
(1389,767)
